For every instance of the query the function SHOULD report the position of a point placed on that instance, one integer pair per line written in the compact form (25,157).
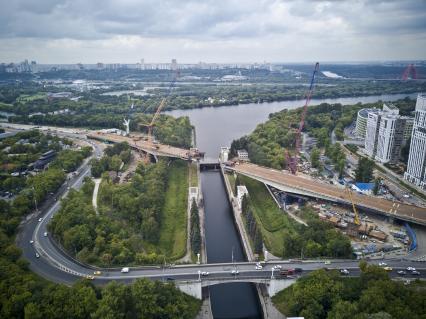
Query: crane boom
(356,218)
(409,69)
(161,105)
(292,161)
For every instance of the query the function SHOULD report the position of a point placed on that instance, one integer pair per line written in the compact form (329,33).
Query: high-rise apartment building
(416,167)
(386,133)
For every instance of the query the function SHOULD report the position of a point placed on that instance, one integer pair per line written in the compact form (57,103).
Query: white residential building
(361,121)
(386,133)
(390,138)
(416,168)
(373,124)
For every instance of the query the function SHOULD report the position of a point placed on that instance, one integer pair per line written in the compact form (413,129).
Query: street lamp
(272,276)
(199,275)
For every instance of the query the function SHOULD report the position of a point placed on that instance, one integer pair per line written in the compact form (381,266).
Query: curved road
(55,265)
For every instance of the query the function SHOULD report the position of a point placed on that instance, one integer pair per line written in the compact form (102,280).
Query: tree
(377,183)
(315,155)
(115,164)
(258,243)
(364,171)
(237,183)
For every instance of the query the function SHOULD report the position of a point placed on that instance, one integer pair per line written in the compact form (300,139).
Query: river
(219,126)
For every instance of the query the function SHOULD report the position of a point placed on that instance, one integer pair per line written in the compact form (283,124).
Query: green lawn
(173,230)
(194,175)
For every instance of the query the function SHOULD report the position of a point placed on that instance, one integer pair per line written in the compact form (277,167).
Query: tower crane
(409,69)
(161,106)
(293,160)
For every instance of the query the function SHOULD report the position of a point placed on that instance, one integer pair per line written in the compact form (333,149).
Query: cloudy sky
(89,31)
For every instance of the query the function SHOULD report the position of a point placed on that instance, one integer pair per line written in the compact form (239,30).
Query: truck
(125,270)
(287,272)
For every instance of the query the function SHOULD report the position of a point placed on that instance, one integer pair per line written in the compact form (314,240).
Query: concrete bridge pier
(192,288)
(276,285)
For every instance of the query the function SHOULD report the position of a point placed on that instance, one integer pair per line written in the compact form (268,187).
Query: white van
(125,269)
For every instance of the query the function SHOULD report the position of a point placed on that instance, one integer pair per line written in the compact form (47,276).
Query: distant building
(361,121)
(416,167)
(243,155)
(241,191)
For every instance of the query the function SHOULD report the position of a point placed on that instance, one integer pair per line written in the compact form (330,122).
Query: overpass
(155,149)
(305,185)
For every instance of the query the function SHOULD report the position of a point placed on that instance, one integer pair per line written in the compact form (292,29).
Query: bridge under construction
(148,146)
(304,185)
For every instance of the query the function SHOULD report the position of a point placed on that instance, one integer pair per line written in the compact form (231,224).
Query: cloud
(205,24)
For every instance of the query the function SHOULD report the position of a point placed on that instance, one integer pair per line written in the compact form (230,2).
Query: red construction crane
(161,105)
(409,69)
(293,160)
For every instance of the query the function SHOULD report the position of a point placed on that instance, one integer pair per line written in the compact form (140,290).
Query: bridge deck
(146,146)
(304,183)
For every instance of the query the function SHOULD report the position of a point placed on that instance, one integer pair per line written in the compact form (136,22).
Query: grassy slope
(272,220)
(173,228)
(194,175)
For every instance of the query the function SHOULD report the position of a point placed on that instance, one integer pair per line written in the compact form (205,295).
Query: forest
(325,294)
(132,221)
(24,294)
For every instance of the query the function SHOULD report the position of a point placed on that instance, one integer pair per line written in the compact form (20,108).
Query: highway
(305,184)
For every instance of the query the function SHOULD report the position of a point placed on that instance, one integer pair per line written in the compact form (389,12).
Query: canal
(236,300)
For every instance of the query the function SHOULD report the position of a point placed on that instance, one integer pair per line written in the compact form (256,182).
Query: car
(277,267)
(387,268)
(204,273)
(258,267)
(170,279)
(125,270)
(235,272)
(406,196)
(327,262)
(411,269)
(97,273)
(37,255)
(298,270)
(415,272)
(90,277)
(45,234)
(40,219)
(401,272)
(31,241)
(68,188)
(344,271)
(382,264)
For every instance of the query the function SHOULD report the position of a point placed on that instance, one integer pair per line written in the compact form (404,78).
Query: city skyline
(212,31)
